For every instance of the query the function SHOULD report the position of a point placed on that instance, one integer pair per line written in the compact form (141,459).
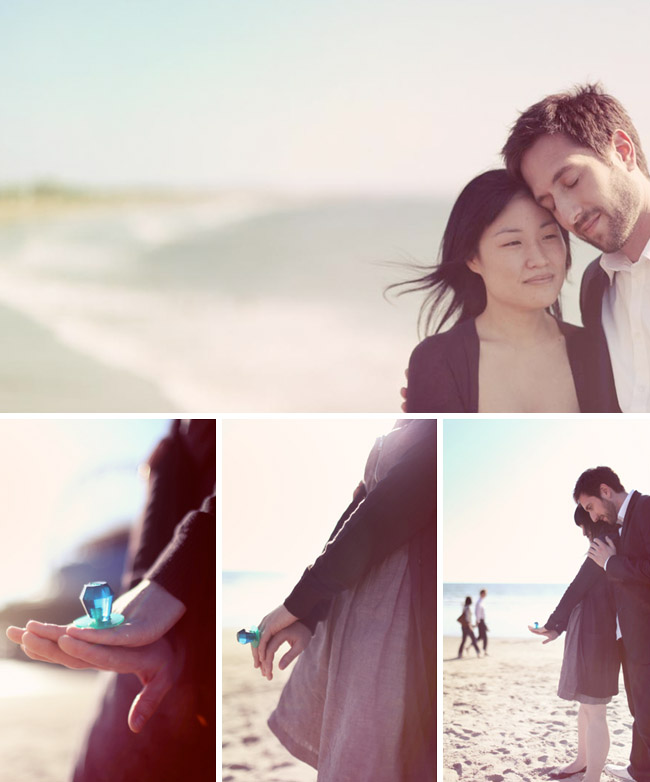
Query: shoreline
(40,374)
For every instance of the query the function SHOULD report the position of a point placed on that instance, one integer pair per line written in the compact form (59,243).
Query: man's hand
(551,635)
(297,635)
(272,623)
(600,552)
(155,665)
(136,646)
(404,393)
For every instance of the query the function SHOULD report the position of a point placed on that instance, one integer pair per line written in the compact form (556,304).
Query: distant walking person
(465,620)
(480,619)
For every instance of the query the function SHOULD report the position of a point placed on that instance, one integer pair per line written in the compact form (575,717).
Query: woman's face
(522,257)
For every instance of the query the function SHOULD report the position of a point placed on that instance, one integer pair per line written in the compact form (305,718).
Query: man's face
(595,199)
(599,508)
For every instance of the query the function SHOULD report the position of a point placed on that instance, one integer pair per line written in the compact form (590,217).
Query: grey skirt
(343,708)
(568,685)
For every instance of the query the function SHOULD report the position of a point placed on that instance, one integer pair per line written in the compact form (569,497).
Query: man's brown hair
(586,115)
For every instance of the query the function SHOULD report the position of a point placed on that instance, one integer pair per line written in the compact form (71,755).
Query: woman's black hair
(594,529)
(468,601)
(451,287)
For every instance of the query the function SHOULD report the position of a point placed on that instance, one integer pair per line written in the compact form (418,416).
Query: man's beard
(621,219)
(611,513)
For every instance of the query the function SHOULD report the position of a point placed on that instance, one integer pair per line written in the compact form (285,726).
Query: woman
(590,664)
(503,261)
(465,620)
(359,705)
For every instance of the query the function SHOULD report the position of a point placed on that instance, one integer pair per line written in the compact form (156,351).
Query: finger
(120,660)
(403,392)
(261,650)
(148,700)
(274,644)
(290,656)
(256,656)
(44,630)
(33,656)
(15,634)
(548,640)
(39,648)
(127,634)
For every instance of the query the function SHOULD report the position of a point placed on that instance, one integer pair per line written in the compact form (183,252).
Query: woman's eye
(551,236)
(513,243)
(572,184)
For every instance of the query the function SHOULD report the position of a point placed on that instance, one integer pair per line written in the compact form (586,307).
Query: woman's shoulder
(440,345)
(443,371)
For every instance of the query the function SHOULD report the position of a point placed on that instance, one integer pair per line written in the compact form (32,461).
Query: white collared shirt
(620,518)
(480,611)
(626,321)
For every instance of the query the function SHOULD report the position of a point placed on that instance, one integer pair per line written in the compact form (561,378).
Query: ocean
(248,596)
(239,303)
(509,608)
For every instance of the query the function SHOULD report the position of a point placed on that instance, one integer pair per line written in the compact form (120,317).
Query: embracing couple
(574,163)
(606,614)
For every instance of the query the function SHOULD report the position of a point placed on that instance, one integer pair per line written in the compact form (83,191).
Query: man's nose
(567,211)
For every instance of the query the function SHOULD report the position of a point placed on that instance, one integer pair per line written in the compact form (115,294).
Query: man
(480,620)
(581,157)
(603,496)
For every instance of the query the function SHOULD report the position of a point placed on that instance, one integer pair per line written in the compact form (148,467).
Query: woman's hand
(272,623)
(551,635)
(297,635)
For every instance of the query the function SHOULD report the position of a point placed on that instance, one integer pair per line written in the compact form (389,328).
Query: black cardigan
(400,510)
(443,372)
(598,657)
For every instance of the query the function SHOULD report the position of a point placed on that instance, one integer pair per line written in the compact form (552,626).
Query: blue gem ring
(97,600)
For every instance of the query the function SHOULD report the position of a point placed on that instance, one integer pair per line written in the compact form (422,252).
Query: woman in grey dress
(359,705)
(590,665)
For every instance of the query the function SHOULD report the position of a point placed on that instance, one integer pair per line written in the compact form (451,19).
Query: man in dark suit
(600,492)
(581,157)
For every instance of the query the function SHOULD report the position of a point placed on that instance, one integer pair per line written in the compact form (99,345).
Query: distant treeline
(47,190)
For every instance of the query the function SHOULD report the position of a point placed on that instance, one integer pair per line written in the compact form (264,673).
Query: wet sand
(38,374)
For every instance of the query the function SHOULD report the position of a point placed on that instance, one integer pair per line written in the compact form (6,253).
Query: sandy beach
(44,711)
(502,719)
(249,750)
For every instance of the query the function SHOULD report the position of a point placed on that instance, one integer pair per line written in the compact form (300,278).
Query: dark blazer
(598,658)
(592,289)
(443,372)
(629,574)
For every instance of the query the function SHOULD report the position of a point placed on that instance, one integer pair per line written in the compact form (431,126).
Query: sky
(62,483)
(508,486)
(285,485)
(295,96)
